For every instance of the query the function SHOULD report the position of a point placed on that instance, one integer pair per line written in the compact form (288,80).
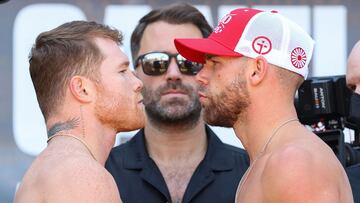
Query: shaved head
(353,69)
(289,80)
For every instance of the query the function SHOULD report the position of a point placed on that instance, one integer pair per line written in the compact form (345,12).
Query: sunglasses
(157,63)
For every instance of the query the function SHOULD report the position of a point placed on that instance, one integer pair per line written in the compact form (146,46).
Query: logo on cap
(262,45)
(298,57)
(225,20)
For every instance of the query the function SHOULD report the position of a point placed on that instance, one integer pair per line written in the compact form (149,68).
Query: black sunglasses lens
(188,67)
(155,63)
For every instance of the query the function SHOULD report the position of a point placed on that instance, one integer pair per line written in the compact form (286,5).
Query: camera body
(323,104)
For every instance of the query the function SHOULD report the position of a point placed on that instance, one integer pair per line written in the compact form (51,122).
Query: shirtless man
(87,94)
(255,61)
(353,82)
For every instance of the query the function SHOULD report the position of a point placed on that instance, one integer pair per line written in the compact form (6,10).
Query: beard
(230,105)
(174,111)
(116,113)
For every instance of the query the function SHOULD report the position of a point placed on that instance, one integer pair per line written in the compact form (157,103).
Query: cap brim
(195,49)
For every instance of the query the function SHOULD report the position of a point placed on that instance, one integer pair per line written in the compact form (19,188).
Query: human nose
(202,75)
(138,83)
(173,73)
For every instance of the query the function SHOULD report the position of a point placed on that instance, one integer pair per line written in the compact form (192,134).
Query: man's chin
(133,123)
(219,122)
(214,118)
(131,127)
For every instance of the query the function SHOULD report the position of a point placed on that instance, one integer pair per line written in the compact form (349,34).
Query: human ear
(81,89)
(259,68)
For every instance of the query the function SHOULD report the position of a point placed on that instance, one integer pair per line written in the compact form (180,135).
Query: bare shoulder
(303,172)
(78,179)
(61,174)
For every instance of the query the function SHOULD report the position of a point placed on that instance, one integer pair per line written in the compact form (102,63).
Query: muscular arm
(295,175)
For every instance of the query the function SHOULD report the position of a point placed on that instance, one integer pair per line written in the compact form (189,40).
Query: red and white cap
(250,32)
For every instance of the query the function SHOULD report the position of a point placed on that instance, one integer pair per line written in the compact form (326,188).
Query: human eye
(123,67)
(122,71)
(215,60)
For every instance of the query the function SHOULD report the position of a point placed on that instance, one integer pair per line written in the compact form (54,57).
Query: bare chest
(177,178)
(251,192)
(251,189)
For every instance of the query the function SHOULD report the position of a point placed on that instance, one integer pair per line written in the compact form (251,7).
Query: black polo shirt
(214,180)
(353,173)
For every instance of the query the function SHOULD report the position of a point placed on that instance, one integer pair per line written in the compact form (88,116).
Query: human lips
(202,96)
(140,100)
(174,92)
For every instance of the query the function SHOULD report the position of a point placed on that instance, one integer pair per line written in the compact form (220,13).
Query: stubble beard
(173,112)
(229,106)
(111,112)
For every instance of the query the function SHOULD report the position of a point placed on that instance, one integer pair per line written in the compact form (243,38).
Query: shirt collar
(217,157)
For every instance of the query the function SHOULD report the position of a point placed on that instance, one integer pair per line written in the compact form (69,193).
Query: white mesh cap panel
(277,39)
(300,50)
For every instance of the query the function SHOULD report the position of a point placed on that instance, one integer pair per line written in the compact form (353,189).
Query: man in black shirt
(176,157)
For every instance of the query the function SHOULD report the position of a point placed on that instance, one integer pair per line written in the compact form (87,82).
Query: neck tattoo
(263,149)
(73,136)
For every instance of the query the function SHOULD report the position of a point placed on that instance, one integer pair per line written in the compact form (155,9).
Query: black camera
(323,104)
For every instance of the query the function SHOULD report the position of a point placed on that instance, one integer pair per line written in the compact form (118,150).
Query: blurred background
(334,24)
